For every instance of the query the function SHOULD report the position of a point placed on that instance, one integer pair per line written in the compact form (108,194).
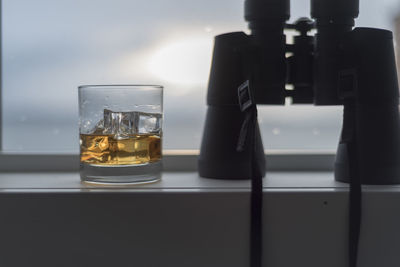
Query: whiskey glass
(120,129)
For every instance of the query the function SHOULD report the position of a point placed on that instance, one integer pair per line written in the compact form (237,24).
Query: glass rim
(120,86)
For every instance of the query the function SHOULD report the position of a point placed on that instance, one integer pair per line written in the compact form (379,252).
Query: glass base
(121,174)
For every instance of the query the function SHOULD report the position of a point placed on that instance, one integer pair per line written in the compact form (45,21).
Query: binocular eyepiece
(267,21)
(330,11)
(258,12)
(334,11)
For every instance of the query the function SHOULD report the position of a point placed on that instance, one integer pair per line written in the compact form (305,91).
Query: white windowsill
(184,220)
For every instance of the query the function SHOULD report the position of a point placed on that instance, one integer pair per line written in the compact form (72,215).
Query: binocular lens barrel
(267,19)
(369,86)
(334,18)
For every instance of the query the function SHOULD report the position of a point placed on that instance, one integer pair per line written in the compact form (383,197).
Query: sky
(52,47)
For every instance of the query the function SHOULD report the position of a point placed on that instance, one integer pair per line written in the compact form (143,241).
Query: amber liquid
(106,150)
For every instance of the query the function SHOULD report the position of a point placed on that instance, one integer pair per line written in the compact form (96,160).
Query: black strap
(256,220)
(256,201)
(355,200)
(248,138)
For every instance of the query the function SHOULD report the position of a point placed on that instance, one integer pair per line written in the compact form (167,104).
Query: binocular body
(338,66)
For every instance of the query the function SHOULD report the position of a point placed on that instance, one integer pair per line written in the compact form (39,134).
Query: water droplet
(276,131)
(208,28)
(315,131)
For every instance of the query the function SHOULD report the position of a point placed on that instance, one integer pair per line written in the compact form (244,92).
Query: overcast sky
(50,47)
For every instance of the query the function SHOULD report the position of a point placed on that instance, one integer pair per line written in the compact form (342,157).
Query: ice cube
(149,123)
(98,128)
(120,124)
(124,124)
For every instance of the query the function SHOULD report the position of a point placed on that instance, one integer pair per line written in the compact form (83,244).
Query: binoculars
(338,65)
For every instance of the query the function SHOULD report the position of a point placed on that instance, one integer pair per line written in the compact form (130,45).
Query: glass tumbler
(120,128)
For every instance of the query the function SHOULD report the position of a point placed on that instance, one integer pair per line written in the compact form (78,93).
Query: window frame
(173,160)
(1,75)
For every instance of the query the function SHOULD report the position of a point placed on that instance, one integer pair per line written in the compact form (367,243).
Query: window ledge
(173,160)
(185,220)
